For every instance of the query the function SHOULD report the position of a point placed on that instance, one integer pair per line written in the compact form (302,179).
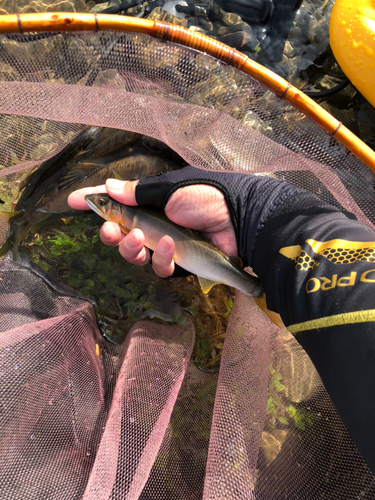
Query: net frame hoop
(66,22)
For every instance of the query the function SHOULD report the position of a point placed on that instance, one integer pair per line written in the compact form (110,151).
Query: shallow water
(123,294)
(307,61)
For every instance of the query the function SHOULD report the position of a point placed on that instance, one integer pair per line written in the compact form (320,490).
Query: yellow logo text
(323,283)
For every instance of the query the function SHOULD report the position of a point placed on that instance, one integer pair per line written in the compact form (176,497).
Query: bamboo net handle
(62,21)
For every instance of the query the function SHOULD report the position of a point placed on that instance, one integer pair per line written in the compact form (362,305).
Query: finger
(122,191)
(76,199)
(204,208)
(110,234)
(162,260)
(132,248)
(224,240)
(199,207)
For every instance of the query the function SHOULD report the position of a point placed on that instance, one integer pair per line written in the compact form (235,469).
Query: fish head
(105,206)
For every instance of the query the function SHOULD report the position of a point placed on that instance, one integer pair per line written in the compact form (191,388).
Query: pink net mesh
(82,418)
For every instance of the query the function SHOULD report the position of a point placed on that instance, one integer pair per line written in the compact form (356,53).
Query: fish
(192,252)
(92,157)
(136,161)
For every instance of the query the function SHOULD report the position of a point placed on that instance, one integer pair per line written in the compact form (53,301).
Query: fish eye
(102,202)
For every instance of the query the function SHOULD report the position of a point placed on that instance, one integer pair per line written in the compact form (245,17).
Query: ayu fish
(90,159)
(192,252)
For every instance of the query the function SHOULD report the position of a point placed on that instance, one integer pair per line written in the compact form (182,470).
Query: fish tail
(11,215)
(5,247)
(17,230)
(9,246)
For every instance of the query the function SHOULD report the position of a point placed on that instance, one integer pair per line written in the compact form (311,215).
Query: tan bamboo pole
(62,21)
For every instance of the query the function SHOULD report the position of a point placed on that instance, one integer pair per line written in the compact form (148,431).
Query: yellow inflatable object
(352,38)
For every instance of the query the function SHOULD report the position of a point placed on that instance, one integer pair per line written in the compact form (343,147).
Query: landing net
(81,417)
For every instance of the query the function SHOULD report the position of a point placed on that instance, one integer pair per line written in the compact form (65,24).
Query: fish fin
(67,220)
(117,176)
(25,182)
(11,215)
(18,228)
(274,317)
(43,211)
(206,284)
(236,261)
(123,229)
(79,146)
(80,171)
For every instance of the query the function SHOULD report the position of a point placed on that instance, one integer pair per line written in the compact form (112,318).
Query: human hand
(200,207)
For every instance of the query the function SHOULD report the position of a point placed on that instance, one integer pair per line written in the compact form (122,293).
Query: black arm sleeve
(317,265)
(318,270)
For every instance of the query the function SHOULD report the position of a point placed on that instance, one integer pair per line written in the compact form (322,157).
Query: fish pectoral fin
(67,220)
(123,229)
(206,284)
(236,261)
(41,210)
(117,176)
(11,215)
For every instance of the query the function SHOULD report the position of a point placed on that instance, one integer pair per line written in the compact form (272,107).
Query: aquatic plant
(70,249)
(279,410)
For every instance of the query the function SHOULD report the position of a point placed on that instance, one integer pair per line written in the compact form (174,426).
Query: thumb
(122,191)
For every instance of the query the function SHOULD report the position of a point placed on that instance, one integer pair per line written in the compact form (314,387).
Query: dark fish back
(51,166)
(88,160)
